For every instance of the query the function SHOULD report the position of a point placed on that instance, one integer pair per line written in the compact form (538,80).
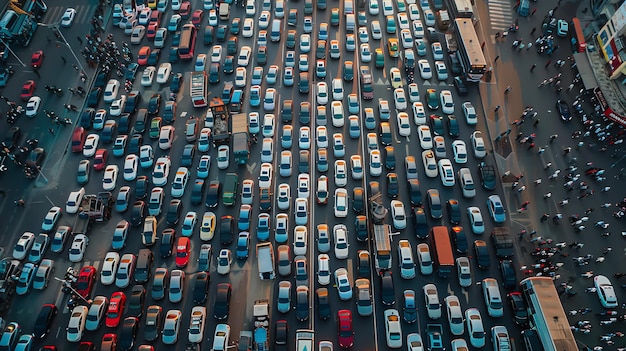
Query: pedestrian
(545,217)
(20,202)
(570,87)
(507,90)
(606,189)
(497,108)
(51,131)
(547,165)
(522,188)
(80,40)
(588,211)
(537,181)
(518,177)
(551,12)
(547,195)
(536,122)
(496,59)
(564,202)
(567,150)
(533,67)
(506,174)
(531,145)
(532,13)
(63,59)
(548,63)
(514,185)
(534,232)
(541,151)
(553,137)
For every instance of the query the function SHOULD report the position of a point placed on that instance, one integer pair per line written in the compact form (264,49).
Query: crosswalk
(500,14)
(84,13)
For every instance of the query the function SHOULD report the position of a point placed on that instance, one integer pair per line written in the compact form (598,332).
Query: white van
(350,22)
(276,30)
(224,11)
(279,9)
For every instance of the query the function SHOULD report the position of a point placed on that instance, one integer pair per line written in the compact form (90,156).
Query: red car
(100,159)
(27,90)
(78,139)
(183,249)
(185,10)
(109,342)
(196,18)
(155,17)
(86,278)
(142,57)
(48,348)
(152,29)
(344,329)
(116,309)
(36,59)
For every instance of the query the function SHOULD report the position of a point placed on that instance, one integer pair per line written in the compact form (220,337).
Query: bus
(469,51)
(546,315)
(460,8)
(187,42)
(198,89)
(577,37)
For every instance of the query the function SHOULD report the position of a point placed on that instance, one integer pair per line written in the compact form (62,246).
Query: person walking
(545,217)
(548,63)
(532,68)
(553,137)
(532,13)
(537,181)
(522,188)
(497,108)
(567,150)
(507,90)
(547,165)
(496,59)
(536,123)
(51,131)
(547,195)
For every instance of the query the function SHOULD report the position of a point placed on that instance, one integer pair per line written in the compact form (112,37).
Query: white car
(322,137)
(247,192)
(366,52)
(323,269)
(425,70)
(109,268)
(146,156)
(224,261)
(339,148)
(363,35)
(196,325)
(478,144)
(264,19)
(32,107)
(164,72)
(97,312)
(470,113)
(300,238)
(125,271)
(460,151)
(248,28)
(74,201)
(431,299)
(605,291)
(475,327)
(447,103)
(374,8)
(42,274)
(282,224)
(304,185)
(23,245)
(269,121)
(223,156)
(304,139)
(398,214)
(244,56)
(91,145)
(464,271)
(213,20)
(436,47)
(68,17)
(406,261)
(455,315)
(500,338)
(344,288)
(377,31)
(78,247)
(305,43)
(109,180)
(250,10)
(25,279)
(283,198)
(493,298)
(76,324)
(284,296)
(419,115)
(340,233)
(399,98)
(387,8)
(430,164)
(130,167)
(395,77)
(51,219)
(393,328)
(267,150)
(442,71)
(426,139)
(341,173)
(356,166)
(240,77)
(265,175)
(404,126)
(476,220)
(446,171)
(161,171)
(425,259)
(216,54)
(171,327)
(189,223)
(376,166)
(147,77)
(180,182)
(322,93)
(440,147)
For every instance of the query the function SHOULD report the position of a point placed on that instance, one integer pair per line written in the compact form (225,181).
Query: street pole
(68,285)
(55,29)
(12,53)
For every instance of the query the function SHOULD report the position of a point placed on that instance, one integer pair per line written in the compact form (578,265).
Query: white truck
(265,259)
(261,314)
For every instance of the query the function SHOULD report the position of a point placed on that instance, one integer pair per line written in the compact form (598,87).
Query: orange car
(142,58)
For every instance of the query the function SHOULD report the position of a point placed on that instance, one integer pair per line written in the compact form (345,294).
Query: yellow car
(152,4)
(392,45)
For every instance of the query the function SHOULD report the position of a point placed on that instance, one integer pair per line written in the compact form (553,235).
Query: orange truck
(441,246)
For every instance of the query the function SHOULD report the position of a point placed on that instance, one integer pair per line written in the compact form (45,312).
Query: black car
(102,79)
(213,194)
(436,124)
(86,118)
(137,213)
(128,334)
(125,123)
(455,64)
(392,185)
(132,102)
(229,65)
(459,238)
(414,192)
(136,301)
(360,227)
(12,138)
(460,86)
(222,301)
(261,55)
(166,245)
(482,254)
(303,164)
(188,153)
(220,35)
(520,313)
(214,73)
(154,104)
(388,293)
(409,310)
(227,228)
(200,288)
(142,187)
(453,126)
(232,45)
(282,330)
(44,320)
(36,157)
(420,222)
(209,32)
(323,303)
(302,303)
(107,133)
(358,199)
(265,199)
(140,122)
(134,144)
(94,97)
(374,188)
(131,71)
(173,212)
(385,133)
(507,269)
(564,110)
(177,82)
(197,192)
(154,319)
(487,175)
(390,157)
(153,58)
(454,211)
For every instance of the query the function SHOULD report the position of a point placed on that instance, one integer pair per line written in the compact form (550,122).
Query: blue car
(496,209)
(243,244)
(244,217)
(263,227)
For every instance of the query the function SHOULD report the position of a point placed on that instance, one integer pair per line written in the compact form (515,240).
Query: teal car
(432,99)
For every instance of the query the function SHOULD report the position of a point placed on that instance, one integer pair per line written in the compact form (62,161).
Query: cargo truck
(220,132)
(261,315)
(265,259)
(502,242)
(382,240)
(230,189)
(241,139)
(442,250)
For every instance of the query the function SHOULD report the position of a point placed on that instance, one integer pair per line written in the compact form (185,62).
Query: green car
(334,16)
(348,71)
(432,99)
(155,127)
